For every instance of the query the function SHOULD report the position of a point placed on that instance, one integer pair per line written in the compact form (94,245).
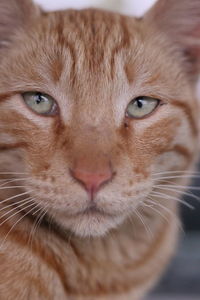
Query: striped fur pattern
(93,63)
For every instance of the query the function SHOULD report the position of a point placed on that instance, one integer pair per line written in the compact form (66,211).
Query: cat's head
(98,104)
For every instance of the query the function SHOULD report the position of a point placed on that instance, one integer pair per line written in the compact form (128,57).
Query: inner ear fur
(180,21)
(15,15)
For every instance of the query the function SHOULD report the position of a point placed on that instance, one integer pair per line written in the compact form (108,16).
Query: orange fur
(93,63)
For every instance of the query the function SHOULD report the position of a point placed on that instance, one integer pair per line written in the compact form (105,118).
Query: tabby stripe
(183,151)
(143,263)
(46,255)
(73,57)
(188,111)
(64,43)
(125,43)
(151,253)
(40,287)
(4,97)
(16,117)
(12,146)
(130,72)
(76,252)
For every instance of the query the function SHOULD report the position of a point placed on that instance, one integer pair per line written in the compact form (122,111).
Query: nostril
(92,181)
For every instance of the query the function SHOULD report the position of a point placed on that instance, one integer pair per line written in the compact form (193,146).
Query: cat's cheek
(86,225)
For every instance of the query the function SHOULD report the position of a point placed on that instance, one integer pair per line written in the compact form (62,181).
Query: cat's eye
(40,103)
(141,107)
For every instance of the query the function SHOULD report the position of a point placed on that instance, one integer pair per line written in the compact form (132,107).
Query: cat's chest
(95,267)
(78,269)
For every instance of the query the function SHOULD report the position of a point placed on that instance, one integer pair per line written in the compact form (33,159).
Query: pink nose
(92,181)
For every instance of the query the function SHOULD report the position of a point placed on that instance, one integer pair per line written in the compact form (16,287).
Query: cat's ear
(180,21)
(15,15)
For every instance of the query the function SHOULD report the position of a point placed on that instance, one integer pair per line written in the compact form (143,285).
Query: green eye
(40,103)
(142,107)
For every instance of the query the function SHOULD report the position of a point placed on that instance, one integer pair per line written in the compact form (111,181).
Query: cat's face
(114,109)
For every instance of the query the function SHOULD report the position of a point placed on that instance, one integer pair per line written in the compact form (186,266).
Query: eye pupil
(139,103)
(39,98)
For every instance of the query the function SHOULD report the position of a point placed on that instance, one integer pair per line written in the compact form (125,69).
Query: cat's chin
(91,224)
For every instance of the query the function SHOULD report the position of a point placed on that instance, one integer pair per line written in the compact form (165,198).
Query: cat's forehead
(73,47)
(96,29)
(94,39)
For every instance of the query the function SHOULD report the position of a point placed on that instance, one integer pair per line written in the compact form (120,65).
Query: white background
(131,7)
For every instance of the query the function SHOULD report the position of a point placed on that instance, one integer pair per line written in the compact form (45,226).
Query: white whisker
(15,203)
(167,210)
(174,189)
(13,173)
(177,172)
(42,211)
(14,225)
(15,196)
(177,177)
(179,186)
(157,211)
(12,187)
(169,197)
(11,180)
(15,208)
(148,230)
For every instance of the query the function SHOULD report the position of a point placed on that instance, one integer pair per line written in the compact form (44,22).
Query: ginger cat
(99,129)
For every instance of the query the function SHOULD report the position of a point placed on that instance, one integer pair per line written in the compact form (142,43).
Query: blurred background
(131,7)
(182,280)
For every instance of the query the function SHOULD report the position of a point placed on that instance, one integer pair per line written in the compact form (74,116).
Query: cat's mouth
(93,210)
(91,221)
